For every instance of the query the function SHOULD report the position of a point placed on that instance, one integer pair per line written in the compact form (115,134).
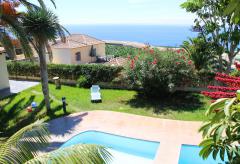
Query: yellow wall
(4,81)
(85,53)
(68,56)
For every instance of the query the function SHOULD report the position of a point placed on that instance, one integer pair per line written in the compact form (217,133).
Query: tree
(221,134)
(6,42)
(233,9)
(216,27)
(42,26)
(200,52)
(24,147)
(9,23)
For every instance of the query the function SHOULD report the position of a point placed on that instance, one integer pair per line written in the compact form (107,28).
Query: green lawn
(182,106)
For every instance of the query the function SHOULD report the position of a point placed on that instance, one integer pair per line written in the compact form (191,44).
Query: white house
(4,81)
(78,49)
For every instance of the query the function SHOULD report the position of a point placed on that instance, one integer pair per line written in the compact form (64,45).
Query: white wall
(4,81)
(68,56)
(62,56)
(85,53)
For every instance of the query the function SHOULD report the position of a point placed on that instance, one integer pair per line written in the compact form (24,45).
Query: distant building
(78,49)
(4,81)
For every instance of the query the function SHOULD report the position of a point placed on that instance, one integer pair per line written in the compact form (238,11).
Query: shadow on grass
(12,115)
(179,101)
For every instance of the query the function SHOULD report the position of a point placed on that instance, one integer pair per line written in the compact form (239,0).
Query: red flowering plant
(159,72)
(230,85)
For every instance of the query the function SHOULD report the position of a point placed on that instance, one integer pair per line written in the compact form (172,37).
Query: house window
(78,56)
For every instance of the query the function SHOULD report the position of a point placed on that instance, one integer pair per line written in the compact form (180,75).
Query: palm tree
(200,52)
(36,17)
(24,146)
(42,26)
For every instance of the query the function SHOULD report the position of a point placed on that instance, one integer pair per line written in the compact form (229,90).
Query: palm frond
(42,4)
(43,25)
(31,6)
(2,141)
(28,5)
(25,144)
(80,154)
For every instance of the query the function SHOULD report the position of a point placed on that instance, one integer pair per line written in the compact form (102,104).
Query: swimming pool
(123,149)
(190,154)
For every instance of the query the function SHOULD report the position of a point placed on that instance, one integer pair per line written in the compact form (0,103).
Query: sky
(149,12)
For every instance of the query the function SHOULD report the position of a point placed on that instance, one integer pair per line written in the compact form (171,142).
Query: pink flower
(136,57)
(151,51)
(178,51)
(183,57)
(132,65)
(154,62)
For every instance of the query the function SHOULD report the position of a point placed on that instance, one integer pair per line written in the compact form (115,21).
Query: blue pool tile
(142,148)
(190,155)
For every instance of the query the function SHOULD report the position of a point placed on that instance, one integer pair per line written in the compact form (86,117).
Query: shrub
(82,82)
(159,73)
(232,84)
(92,72)
(119,51)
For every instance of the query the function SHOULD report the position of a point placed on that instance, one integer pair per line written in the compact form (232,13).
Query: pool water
(124,149)
(190,155)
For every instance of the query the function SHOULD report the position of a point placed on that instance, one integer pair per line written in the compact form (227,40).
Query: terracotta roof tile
(77,40)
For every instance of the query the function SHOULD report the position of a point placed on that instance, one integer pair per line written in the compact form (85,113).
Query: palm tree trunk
(44,76)
(49,50)
(229,65)
(220,60)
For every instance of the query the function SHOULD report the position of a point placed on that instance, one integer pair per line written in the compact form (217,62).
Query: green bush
(158,73)
(92,72)
(82,82)
(119,51)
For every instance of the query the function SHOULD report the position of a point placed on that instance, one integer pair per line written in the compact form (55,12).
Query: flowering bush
(159,72)
(232,85)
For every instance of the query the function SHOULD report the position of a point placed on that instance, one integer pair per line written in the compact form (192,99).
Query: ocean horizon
(156,35)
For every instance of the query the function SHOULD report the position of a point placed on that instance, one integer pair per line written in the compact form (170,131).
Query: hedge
(93,72)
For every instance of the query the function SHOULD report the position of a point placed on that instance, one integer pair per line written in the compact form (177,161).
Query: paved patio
(17,87)
(170,133)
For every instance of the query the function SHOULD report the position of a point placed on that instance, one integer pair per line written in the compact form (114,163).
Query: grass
(181,106)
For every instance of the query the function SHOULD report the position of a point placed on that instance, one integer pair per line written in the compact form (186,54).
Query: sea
(156,35)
